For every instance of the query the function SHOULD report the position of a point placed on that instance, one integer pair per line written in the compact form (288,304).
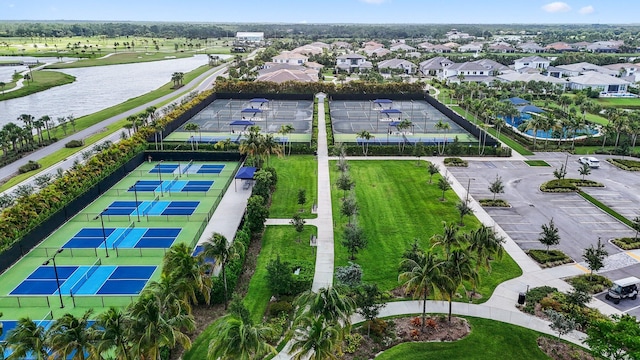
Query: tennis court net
(123,235)
(184,170)
(74,289)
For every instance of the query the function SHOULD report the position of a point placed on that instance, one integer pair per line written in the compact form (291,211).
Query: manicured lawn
(488,340)
(277,240)
(536,163)
(294,172)
(630,103)
(42,80)
(121,58)
(397,205)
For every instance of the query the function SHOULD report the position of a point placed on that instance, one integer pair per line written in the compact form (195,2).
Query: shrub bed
(626,164)
(454,161)
(549,258)
(30,166)
(494,203)
(74,144)
(568,185)
(627,243)
(593,283)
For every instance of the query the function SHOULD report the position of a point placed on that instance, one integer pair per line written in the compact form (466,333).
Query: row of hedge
(450,150)
(295,87)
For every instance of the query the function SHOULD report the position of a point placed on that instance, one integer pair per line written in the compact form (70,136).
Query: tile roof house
(283,75)
(289,57)
(377,52)
(535,62)
(352,62)
(467,72)
(625,70)
(402,47)
(531,47)
(598,81)
(515,76)
(584,67)
(559,47)
(604,47)
(471,47)
(494,67)
(434,66)
(399,64)
(500,48)
(340,45)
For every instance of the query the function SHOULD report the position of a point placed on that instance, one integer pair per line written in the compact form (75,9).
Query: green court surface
(131,241)
(207,137)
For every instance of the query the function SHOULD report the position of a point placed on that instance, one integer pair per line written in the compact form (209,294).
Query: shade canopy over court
(241,123)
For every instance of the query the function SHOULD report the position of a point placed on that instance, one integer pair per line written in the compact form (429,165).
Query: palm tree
(440,125)
(328,303)
(71,336)
(218,248)
(189,274)
(159,319)
(269,146)
(365,135)
(111,333)
(421,278)
(48,124)
(177,78)
(195,128)
(534,124)
(237,339)
(315,338)
(287,129)
(27,338)
(251,145)
(449,239)
(457,268)
(486,244)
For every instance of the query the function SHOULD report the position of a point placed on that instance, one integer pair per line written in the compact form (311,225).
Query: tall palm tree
(269,146)
(287,129)
(421,278)
(457,268)
(251,145)
(218,248)
(534,124)
(237,339)
(189,274)
(315,338)
(159,320)
(441,125)
(329,302)
(486,244)
(365,135)
(27,338)
(449,238)
(71,337)
(111,333)
(195,128)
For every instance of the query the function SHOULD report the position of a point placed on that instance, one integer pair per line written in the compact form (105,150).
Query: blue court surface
(124,238)
(172,186)
(164,169)
(86,280)
(204,169)
(151,208)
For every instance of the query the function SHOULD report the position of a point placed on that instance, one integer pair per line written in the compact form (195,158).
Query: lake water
(97,88)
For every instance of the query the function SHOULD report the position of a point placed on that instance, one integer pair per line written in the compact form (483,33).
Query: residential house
(500,48)
(526,77)
(471,47)
(377,52)
(314,65)
(439,49)
(492,66)
(581,45)
(605,46)
(352,63)
(559,47)
(628,71)
(402,47)
(535,62)
(283,75)
(308,50)
(452,45)
(425,45)
(434,66)
(584,67)
(531,47)
(554,72)
(454,34)
(414,54)
(290,57)
(467,72)
(407,67)
(341,45)
(598,81)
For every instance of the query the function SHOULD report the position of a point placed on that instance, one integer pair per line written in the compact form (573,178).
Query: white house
(402,47)
(467,71)
(471,47)
(531,47)
(289,57)
(598,81)
(535,62)
(434,66)
(352,62)
(584,67)
(407,67)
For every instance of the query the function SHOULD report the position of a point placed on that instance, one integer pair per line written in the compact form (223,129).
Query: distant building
(535,62)
(249,37)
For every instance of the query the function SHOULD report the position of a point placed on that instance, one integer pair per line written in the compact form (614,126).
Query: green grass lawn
(277,240)
(397,205)
(42,80)
(536,163)
(294,172)
(121,58)
(488,340)
(629,103)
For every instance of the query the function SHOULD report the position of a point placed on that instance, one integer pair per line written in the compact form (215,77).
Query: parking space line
(598,222)
(523,232)
(585,214)
(610,230)
(633,308)
(575,207)
(567,200)
(493,215)
(633,255)
(516,223)
(584,269)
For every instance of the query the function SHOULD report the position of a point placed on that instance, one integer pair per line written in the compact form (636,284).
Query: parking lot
(580,223)
(631,307)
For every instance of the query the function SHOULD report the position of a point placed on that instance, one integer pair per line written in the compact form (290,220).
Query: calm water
(97,88)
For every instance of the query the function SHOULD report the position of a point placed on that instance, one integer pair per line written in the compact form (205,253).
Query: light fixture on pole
(160,176)
(135,193)
(104,234)
(55,271)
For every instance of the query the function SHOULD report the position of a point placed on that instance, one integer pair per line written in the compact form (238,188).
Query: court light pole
(55,271)
(104,234)
(160,176)
(135,193)
(468,187)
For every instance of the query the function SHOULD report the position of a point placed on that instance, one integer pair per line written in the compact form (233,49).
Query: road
(200,83)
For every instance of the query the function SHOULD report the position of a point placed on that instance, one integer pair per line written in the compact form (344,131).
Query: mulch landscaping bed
(558,350)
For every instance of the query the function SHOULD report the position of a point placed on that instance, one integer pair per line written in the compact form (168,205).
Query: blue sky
(330,11)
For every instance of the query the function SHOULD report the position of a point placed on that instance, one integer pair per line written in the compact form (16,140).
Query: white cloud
(556,7)
(586,10)
(373,1)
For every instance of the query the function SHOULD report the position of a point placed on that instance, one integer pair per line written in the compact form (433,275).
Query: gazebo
(245,173)
(243,123)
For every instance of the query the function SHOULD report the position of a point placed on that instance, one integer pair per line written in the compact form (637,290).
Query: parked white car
(590,160)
